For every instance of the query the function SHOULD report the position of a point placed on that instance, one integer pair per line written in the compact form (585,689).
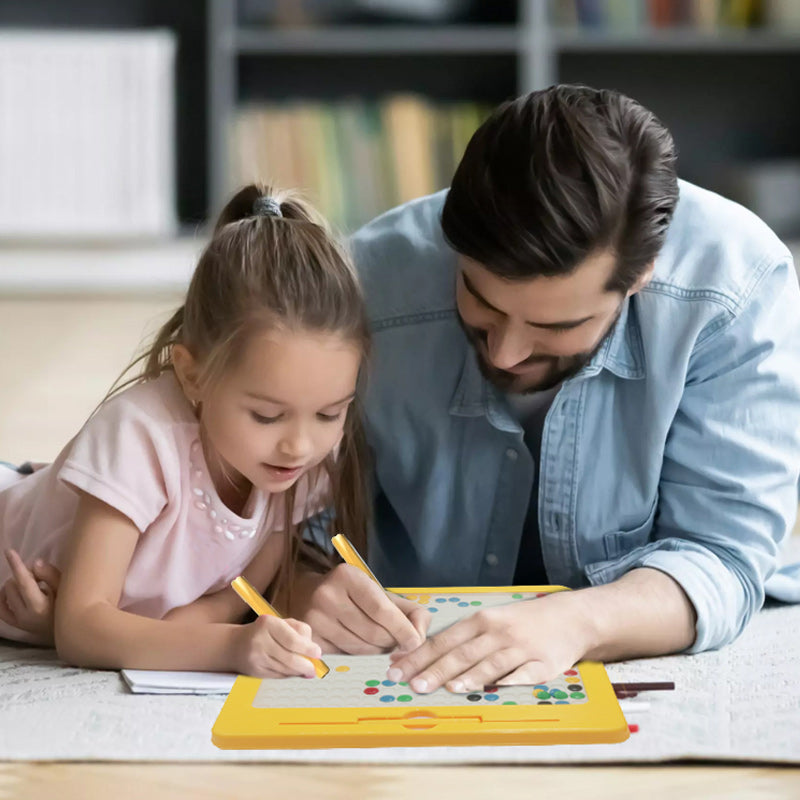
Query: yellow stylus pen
(351,556)
(248,593)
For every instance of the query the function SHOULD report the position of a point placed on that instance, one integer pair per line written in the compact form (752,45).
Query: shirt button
(491,559)
(512,454)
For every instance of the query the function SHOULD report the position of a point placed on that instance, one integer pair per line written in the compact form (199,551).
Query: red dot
(571,672)
(633,728)
(371,690)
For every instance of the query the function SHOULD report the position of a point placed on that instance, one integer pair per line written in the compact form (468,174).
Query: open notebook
(147,681)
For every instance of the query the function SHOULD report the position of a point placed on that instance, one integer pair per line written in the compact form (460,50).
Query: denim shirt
(677,447)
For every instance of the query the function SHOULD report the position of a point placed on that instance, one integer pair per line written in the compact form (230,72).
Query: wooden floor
(309,782)
(60,356)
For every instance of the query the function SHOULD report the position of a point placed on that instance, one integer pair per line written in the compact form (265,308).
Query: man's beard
(562,367)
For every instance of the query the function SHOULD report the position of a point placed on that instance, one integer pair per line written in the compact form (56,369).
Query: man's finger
(368,598)
(326,646)
(410,665)
(350,631)
(529,673)
(421,620)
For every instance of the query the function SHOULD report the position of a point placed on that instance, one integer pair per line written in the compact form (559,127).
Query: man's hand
(25,603)
(349,613)
(643,613)
(522,643)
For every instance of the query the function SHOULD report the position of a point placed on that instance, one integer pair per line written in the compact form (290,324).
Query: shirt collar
(622,353)
(476,397)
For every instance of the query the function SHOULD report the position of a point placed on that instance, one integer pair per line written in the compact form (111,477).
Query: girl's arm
(91,631)
(225,605)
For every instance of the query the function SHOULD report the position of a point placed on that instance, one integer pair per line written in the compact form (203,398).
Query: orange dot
(342,668)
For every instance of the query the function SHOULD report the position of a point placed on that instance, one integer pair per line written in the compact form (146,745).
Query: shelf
(127,268)
(379,41)
(675,40)
(107,267)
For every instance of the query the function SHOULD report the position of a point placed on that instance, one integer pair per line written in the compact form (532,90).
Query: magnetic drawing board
(355,705)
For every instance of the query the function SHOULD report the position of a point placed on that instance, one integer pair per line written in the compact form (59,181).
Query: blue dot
(387,683)
(387,698)
(561,703)
(432,610)
(454,599)
(542,686)
(462,604)
(441,600)
(491,696)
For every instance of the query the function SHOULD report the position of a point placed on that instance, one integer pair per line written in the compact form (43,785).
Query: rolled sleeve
(729,477)
(728,489)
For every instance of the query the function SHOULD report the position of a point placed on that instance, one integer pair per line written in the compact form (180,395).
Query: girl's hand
(24,603)
(271,647)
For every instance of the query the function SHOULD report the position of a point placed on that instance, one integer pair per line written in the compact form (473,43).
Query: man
(585,373)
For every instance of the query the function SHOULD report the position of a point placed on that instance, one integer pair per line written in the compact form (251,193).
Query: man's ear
(643,279)
(187,372)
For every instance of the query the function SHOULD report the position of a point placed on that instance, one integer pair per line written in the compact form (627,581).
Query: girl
(173,486)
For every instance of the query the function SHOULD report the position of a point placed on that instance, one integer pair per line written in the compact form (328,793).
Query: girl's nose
(297,443)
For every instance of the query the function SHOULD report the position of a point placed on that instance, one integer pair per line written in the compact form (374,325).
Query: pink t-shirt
(141,453)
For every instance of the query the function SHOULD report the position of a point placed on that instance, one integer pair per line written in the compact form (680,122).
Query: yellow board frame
(240,726)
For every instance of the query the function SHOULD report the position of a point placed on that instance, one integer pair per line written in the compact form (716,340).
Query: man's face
(532,335)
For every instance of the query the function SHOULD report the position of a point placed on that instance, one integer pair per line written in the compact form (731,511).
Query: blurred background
(124,125)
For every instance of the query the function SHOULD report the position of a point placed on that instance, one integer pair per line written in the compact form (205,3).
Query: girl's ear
(187,372)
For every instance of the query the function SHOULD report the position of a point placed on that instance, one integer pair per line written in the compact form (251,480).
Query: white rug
(741,703)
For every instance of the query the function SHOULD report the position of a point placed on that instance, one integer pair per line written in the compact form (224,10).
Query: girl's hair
(274,270)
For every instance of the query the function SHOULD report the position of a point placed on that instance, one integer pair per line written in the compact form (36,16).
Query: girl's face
(279,411)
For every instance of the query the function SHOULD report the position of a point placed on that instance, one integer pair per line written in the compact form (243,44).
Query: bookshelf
(712,83)
(445,63)
(728,94)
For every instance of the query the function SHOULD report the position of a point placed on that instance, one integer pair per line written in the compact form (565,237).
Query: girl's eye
(329,417)
(261,419)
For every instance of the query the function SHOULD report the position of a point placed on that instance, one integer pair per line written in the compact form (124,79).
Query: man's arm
(728,488)
(643,613)
(727,499)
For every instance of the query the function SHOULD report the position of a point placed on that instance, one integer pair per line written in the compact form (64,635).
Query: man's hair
(558,174)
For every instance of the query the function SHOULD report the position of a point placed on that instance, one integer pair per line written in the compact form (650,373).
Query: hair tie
(266,207)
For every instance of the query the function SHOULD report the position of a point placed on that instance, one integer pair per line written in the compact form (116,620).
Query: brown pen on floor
(652,686)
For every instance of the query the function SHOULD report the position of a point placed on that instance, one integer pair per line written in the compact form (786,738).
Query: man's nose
(507,347)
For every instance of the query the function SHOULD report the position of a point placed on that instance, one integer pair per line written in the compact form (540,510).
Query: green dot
(558,694)
(578,695)
(510,703)
(373,683)
(403,683)
(517,596)
(542,695)
(404,698)
(475,603)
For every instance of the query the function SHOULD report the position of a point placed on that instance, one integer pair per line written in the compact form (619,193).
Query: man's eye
(261,419)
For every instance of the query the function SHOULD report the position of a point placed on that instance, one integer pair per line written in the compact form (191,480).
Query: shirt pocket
(620,543)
